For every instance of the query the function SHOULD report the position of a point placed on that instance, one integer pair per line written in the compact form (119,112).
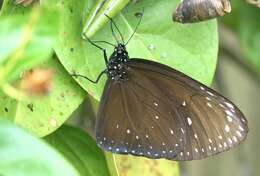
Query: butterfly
(152,110)
(190,11)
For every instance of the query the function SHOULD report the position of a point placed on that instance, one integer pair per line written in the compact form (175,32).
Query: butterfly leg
(95,82)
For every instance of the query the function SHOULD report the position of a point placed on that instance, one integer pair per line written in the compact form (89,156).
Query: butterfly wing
(161,113)
(128,123)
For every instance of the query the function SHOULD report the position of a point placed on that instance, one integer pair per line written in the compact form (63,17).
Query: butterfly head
(120,52)
(116,67)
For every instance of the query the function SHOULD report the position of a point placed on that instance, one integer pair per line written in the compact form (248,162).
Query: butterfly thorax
(116,66)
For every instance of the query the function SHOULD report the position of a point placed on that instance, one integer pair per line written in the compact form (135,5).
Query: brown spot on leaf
(6,109)
(30,106)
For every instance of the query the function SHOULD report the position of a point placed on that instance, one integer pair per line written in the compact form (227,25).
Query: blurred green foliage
(24,155)
(244,22)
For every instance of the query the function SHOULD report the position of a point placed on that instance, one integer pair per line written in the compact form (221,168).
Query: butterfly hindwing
(159,112)
(212,123)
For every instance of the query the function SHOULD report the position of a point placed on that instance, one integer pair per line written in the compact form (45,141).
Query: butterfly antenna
(136,27)
(104,42)
(92,42)
(113,23)
(95,82)
(113,32)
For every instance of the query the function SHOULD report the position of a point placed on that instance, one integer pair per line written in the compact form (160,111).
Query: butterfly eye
(189,11)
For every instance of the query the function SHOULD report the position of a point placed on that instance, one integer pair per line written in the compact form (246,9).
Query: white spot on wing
(196,136)
(209,105)
(229,118)
(221,105)
(227,128)
(209,99)
(240,127)
(128,131)
(183,103)
(210,141)
(189,120)
(155,104)
(229,105)
(235,138)
(229,113)
(238,133)
(230,140)
(202,88)
(211,94)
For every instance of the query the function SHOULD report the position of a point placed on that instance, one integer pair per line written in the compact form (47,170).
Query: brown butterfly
(152,110)
(190,11)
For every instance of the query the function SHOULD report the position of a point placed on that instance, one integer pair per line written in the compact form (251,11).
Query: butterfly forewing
(140,127)
(159,112)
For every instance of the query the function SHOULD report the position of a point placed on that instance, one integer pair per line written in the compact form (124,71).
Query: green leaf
(249,34)
(27,37)
(43,115)
(80,149)
(96,18)
(24,155)
(191,49)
